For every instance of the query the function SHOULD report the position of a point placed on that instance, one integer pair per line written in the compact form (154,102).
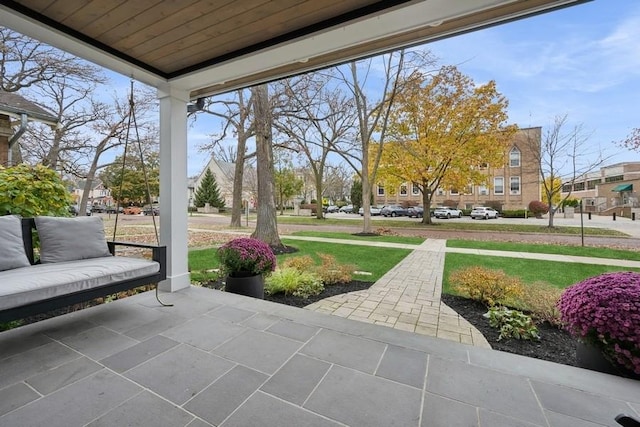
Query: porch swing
(37,286)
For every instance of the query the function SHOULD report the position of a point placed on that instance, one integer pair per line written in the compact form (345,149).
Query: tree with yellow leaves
(444,127)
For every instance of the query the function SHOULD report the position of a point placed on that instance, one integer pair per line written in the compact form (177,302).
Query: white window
(483,190)
(415,190)
(514,185)
(514,157)
(439,192)
(454,192)
(403,189)
(498,185)
(468,189)
(380,190)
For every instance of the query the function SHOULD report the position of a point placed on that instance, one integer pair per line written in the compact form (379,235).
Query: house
(512,185)
(612,188)
(224,173)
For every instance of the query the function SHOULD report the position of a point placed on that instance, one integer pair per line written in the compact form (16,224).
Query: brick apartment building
(512,185)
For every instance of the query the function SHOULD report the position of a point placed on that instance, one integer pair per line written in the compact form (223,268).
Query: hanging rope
(131,121)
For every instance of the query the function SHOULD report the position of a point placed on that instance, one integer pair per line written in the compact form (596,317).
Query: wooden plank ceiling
(189,41)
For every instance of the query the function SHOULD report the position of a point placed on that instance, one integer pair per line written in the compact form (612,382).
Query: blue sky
(583,61)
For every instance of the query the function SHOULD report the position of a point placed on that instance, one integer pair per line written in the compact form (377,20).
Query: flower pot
(591,357)
(246,284)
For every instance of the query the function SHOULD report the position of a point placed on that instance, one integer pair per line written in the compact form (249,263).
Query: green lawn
(491,225)
(546,249)
(374,260)
(348,236)
(558,274)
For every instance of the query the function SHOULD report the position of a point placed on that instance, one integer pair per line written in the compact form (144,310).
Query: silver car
(447,213)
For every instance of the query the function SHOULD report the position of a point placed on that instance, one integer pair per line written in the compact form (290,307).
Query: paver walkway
(408,296)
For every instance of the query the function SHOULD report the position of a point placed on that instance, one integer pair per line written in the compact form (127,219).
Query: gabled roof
(12,104)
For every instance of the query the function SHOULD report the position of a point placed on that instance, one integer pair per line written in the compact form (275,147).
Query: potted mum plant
(603,313)
(245,261)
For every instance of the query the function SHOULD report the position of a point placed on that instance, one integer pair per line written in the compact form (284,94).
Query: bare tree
(266,225)
(373,116)
(238,119)
(25,62)
(564,156)
(317,118)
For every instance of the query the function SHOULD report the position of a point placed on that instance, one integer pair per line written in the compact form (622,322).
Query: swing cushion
(71,239)
(13,254)
(39,282)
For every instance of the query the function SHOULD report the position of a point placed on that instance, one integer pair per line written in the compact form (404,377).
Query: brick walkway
(408,298)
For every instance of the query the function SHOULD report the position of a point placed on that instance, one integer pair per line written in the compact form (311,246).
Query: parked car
(151,210)
(393,211)
(97,209)
(132,210)
(482,212)
(331,209)
(415,212)
(346,209)
(112,209)
(445,212)
(373,210)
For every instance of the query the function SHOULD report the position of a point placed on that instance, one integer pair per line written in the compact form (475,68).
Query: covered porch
(219,359)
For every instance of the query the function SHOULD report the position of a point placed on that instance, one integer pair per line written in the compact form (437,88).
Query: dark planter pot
(590,357)
(248,285)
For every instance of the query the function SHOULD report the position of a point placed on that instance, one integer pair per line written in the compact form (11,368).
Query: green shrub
(490,287)
(540,300)
(538,208)
(515,213)
(512,324)
(290,281)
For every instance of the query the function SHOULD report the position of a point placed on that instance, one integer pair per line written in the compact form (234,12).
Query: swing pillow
(71,239)
(13,254)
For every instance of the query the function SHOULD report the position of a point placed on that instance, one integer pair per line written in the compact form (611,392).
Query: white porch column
(173,187)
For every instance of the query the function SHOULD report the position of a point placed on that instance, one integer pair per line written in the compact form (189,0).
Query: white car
(445,212)
(373,210)
(482,212)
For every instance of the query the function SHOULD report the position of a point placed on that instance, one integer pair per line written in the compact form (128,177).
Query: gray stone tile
(555,373)
(231,314)
(578,404)
(19,340)
(123,317)
(438,411)
(561,420)
(295,331)
(197,422)
(139,353)
(54,379)
(358,399)
(296,379)
(346,350)
(14,397)
(262,410)
(259,350)
(494,419)
(187,307)
(220,399)
(66,326)
(403,365)
(204,332)
(260,321)
(180,373)
(32,362)
(75,405)
(164,323)
(99,342)
(144,409)
(480,387)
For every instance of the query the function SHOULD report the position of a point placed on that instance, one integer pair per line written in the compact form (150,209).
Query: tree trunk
(266,226)
(426,203)
(366,194)
(238,178)
(318,176)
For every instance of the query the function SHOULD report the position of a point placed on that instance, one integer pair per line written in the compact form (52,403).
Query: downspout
(16,136)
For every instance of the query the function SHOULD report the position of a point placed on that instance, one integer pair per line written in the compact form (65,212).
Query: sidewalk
(408,296)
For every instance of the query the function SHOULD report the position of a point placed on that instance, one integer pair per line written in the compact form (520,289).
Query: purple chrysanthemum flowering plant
(246,256)
(605,311)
